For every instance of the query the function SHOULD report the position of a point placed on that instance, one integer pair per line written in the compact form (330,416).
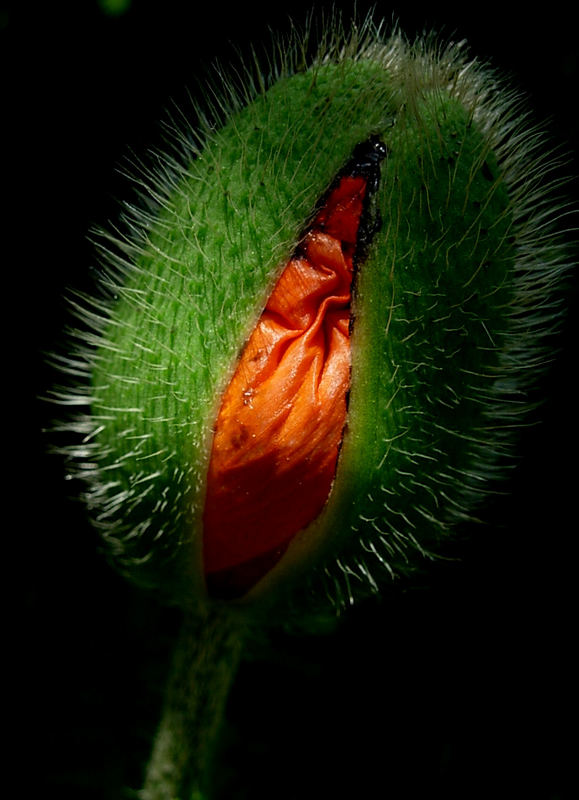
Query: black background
(460,686)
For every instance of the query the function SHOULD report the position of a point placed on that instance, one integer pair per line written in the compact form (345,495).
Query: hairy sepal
(424,362)
(445,328)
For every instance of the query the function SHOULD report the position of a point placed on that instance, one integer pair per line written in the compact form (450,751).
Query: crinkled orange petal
(281,421)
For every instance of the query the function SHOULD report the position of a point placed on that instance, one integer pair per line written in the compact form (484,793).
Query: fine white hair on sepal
(148,399)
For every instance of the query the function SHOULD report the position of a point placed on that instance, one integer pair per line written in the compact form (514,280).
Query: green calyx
(444,314)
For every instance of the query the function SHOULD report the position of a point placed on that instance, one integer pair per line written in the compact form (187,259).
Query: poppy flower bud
(317,337)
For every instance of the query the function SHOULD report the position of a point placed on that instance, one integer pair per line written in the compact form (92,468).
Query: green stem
(204,666)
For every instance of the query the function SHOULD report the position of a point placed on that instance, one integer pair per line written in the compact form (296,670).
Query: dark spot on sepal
(366,161)
(351,322)
(370,224)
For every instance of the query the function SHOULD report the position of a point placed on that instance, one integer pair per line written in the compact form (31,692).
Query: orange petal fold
(282,417)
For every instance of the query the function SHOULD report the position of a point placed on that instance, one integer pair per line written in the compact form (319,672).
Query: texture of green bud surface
(446,314)
(453,294)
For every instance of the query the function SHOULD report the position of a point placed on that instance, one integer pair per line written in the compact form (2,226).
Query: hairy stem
(204,665)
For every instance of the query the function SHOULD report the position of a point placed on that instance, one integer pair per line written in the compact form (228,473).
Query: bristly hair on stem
(205,662)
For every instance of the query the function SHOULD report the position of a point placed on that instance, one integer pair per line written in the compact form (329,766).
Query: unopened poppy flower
(315,340)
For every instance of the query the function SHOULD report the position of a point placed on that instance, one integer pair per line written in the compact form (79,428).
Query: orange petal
(281,421)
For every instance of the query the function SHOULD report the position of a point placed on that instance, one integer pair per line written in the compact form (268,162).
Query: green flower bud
(451,302)
(416,171)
